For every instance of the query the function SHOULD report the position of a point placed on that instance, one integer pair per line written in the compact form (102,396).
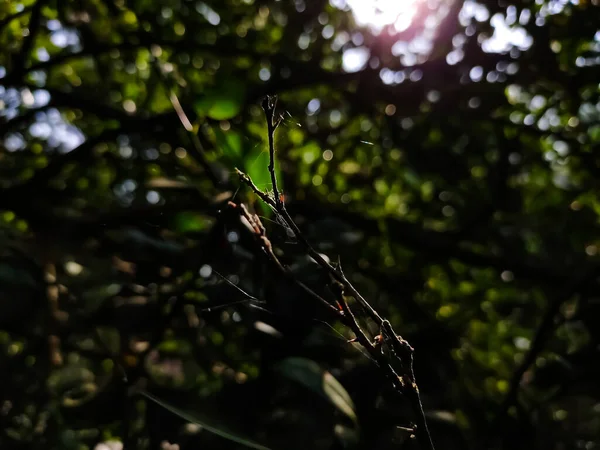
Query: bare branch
(405,382)
(263,196)
(269,103)
(253,222)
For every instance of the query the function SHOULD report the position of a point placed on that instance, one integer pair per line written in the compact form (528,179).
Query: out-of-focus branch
(196,145)
(4,22)
(20,60)
(129,42)
(437,245)
(541,336)
(41,178)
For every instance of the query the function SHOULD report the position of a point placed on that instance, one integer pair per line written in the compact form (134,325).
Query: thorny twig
(404,383)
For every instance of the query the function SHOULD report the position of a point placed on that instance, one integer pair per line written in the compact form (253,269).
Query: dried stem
(399,348)
(253,222)
(268,105)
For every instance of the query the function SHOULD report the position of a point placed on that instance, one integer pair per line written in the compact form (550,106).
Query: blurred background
(445,151)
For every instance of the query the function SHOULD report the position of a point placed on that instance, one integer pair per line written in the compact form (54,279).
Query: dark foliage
(448,163)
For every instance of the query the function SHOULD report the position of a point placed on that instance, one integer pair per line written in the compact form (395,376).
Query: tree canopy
(436,160)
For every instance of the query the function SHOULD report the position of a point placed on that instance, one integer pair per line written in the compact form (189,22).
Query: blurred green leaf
(209,423)
(310,374)
(190,221)
(222,102)
(230,143)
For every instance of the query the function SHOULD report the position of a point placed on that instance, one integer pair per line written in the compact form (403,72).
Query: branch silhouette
(387,349)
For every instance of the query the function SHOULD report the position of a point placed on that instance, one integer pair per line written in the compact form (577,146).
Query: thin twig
(263,196)
(268,105)
(405,353)
(254,224)
(352,323)
(278,204)
(405,382)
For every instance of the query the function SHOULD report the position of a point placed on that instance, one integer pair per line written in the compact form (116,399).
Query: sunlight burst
(380,13)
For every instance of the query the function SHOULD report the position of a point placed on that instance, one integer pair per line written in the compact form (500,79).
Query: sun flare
(380,13)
